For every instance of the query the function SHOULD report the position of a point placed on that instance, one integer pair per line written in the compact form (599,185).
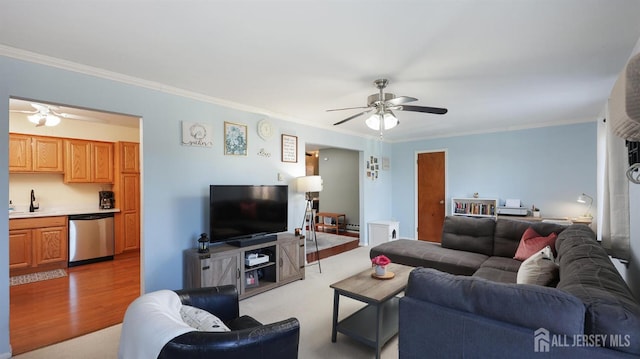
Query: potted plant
(380,263)
(535,211)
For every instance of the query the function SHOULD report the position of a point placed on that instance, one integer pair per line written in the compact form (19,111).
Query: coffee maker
(107,201)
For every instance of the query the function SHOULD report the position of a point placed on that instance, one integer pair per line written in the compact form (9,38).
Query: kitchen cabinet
(37,244)
(128,157)
(225,264)
(29,153)
(88,161)
(126,189)
(20,252)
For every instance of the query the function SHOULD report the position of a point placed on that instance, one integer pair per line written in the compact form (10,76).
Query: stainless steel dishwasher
(91,238)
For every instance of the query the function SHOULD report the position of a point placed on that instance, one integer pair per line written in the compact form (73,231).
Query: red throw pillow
(531,242)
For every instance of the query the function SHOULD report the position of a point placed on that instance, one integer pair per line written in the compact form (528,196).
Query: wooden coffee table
(377,322)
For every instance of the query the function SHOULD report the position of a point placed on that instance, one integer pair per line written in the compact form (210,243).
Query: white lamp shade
(373,122)
(49,119)
(309,184)
(52,120)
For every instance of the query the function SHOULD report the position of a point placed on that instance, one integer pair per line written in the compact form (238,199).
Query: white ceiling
(495,64)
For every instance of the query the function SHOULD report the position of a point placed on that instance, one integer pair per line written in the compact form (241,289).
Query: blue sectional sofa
(463,300)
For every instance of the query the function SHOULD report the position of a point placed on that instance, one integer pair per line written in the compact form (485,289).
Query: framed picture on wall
(235,139)
(197,134)
(289,148)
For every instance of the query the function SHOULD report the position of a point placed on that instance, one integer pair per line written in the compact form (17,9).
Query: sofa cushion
(502,263)
(539,269)
(508,234)
(496,275)
(531,242)
(528,306)
(431,255)
(586,271)
(469,234)
(201,319)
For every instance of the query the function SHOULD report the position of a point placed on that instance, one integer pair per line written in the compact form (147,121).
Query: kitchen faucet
(33,205)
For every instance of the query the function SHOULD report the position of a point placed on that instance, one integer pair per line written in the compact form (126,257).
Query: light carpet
(36,277)
(309,300)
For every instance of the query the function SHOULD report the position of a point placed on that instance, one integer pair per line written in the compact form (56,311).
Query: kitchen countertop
(53,212)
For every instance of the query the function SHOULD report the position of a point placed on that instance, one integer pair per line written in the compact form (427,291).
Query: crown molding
(33,57)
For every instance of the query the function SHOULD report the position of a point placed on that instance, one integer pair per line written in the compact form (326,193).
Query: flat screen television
(246,213)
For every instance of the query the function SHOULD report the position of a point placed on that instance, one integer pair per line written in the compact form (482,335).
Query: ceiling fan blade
(40,108)
(347,108)
(22,111)
(434,110)
(400,100)
(350,118)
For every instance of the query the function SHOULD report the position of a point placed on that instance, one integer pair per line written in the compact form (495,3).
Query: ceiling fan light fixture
(373,122)
(35,118)
(390,121)
(49,119)
(52,120)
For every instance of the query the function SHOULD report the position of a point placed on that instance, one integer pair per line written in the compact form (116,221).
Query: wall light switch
(280,177)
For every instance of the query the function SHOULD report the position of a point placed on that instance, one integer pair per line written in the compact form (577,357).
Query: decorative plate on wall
(265,130)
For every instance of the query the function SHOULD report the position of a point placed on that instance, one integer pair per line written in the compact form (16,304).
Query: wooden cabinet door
(130,192)
(221,269)
(102,162)
(130,209)
(290,260)
(131,230)
(20,250)
(51,245)
(47,154)
(77,164)
(129,157)
(20,156)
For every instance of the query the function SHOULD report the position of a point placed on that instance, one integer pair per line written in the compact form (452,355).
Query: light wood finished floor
(91,297)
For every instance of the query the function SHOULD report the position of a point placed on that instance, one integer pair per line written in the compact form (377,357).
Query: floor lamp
(306,185)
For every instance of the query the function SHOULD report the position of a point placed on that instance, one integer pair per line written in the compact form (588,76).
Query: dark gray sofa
(465,303)
(482,247)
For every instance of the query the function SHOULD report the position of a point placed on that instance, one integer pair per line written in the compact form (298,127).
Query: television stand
(226,264)
(250,241)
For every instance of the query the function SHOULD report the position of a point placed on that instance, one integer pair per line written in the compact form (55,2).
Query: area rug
(36,277)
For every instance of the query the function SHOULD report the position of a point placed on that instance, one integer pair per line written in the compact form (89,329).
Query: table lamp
(583,198)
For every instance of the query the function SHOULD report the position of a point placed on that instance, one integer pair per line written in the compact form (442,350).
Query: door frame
(415,185)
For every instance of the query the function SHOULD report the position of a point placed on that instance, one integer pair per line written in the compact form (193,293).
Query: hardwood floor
(91,297)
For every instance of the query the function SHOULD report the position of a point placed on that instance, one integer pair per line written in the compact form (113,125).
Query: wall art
(197,134)
(289,148)
(235,139)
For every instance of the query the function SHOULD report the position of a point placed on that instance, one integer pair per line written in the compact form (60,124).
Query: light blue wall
(547,167)
(175,179)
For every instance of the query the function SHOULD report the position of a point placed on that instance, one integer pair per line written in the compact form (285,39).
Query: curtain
(614,222)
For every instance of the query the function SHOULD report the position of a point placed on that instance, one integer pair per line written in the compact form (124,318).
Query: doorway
(340,195)
(92,296)
(430,208)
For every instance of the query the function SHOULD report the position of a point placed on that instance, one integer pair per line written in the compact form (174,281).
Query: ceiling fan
(383,104)
(45,115)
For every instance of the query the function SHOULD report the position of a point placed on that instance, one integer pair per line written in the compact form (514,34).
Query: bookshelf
(474,207)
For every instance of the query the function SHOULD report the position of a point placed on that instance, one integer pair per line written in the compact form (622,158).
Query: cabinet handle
(238,273)
(281,262)
(205,268)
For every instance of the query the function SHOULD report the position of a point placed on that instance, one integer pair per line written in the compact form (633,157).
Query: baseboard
(6,355)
